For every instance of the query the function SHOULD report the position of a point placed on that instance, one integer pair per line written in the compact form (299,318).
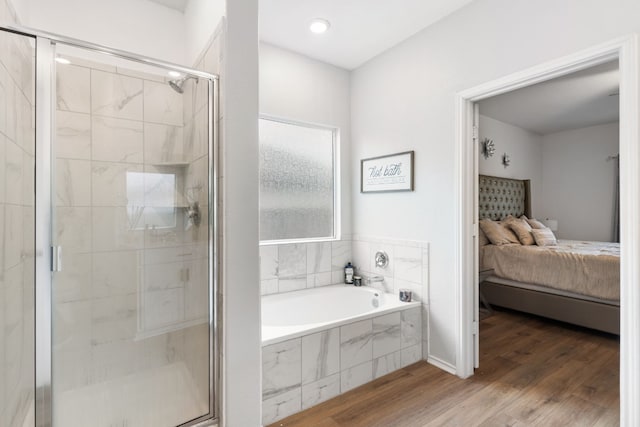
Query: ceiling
(179,5)
(360,29)
(573,101)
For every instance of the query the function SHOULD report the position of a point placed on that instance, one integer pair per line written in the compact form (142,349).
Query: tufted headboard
(499,197)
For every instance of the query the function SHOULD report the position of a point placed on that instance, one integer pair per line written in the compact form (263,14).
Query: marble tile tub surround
(408,269)
(296,266)
(303,372)
(408,266)
(282,268)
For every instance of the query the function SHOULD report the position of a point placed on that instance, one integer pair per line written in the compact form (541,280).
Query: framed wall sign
(393,172)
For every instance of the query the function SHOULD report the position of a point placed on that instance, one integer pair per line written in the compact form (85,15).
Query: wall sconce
(506,160)
(487,147)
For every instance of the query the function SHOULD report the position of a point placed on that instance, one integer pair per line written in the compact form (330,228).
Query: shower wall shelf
(172,164)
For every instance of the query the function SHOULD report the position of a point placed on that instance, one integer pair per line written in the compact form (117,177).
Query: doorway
(625,51)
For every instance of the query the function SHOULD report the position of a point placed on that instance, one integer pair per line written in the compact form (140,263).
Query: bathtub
(318,343)
(294,314)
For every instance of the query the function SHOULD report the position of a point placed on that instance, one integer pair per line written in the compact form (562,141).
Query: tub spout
(371,279)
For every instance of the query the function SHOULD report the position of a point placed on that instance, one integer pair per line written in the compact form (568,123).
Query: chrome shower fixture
(178,84)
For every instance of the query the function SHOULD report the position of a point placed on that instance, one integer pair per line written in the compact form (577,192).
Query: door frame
(466,170)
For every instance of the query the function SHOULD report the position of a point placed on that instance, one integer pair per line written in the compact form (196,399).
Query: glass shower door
(132,335)
(17,219)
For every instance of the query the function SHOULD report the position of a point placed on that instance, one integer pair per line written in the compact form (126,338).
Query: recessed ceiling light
(319,26)
(174,74)
(61,60)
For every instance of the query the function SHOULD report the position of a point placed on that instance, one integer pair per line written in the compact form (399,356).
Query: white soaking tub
(293,314)
(318,343)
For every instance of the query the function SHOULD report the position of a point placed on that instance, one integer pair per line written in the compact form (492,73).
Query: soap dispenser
(348,274)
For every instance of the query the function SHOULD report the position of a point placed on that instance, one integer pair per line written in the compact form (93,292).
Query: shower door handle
(56,258)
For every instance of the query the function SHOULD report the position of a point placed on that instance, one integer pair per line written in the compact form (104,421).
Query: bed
(574,281)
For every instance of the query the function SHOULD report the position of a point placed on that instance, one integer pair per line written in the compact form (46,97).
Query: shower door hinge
(56,258)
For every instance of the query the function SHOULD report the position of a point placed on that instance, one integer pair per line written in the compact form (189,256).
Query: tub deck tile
(320,391)
(356,376)
(386,364)
(386,334)
(281,368)
(411,327)
(355,343)
(281,406)
(320,355)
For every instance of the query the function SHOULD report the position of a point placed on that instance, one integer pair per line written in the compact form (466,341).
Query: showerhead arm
(178,84)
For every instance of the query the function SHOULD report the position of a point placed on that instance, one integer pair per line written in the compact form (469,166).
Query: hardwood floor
(533,372)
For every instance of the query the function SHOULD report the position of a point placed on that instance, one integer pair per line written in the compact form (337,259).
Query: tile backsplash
(407,268)
(296,266)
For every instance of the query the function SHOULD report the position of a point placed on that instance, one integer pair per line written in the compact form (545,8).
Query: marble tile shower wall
(303,372)
(17,148)
(129,293)
(292,267)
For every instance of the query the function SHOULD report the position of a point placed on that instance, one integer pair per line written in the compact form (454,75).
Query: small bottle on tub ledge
(348,274)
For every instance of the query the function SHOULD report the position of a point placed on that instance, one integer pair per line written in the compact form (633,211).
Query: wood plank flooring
(533,372)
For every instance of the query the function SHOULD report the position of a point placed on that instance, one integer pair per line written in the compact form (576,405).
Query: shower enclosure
(107,237)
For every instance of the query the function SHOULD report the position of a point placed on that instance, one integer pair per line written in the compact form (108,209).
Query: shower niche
(169,295)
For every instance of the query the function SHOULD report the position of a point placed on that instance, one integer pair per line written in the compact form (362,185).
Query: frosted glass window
(297,194)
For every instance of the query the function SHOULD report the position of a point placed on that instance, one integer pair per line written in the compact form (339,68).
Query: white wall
(241,322)
(136,26)
(200,17)
(524,148)
(578,182)
(298,88)
(403,100)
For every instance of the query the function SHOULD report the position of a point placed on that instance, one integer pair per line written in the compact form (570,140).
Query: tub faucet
(371,279)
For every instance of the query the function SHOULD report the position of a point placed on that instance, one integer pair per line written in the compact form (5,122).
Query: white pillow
(544,237)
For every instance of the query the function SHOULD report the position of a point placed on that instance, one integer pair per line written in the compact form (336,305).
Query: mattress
(590,269)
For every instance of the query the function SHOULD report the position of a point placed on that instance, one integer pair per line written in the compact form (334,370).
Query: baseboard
(445,366)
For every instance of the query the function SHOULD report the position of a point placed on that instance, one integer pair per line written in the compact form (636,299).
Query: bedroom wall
(524,148)
(404,100)
(578,182)
(298,88)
